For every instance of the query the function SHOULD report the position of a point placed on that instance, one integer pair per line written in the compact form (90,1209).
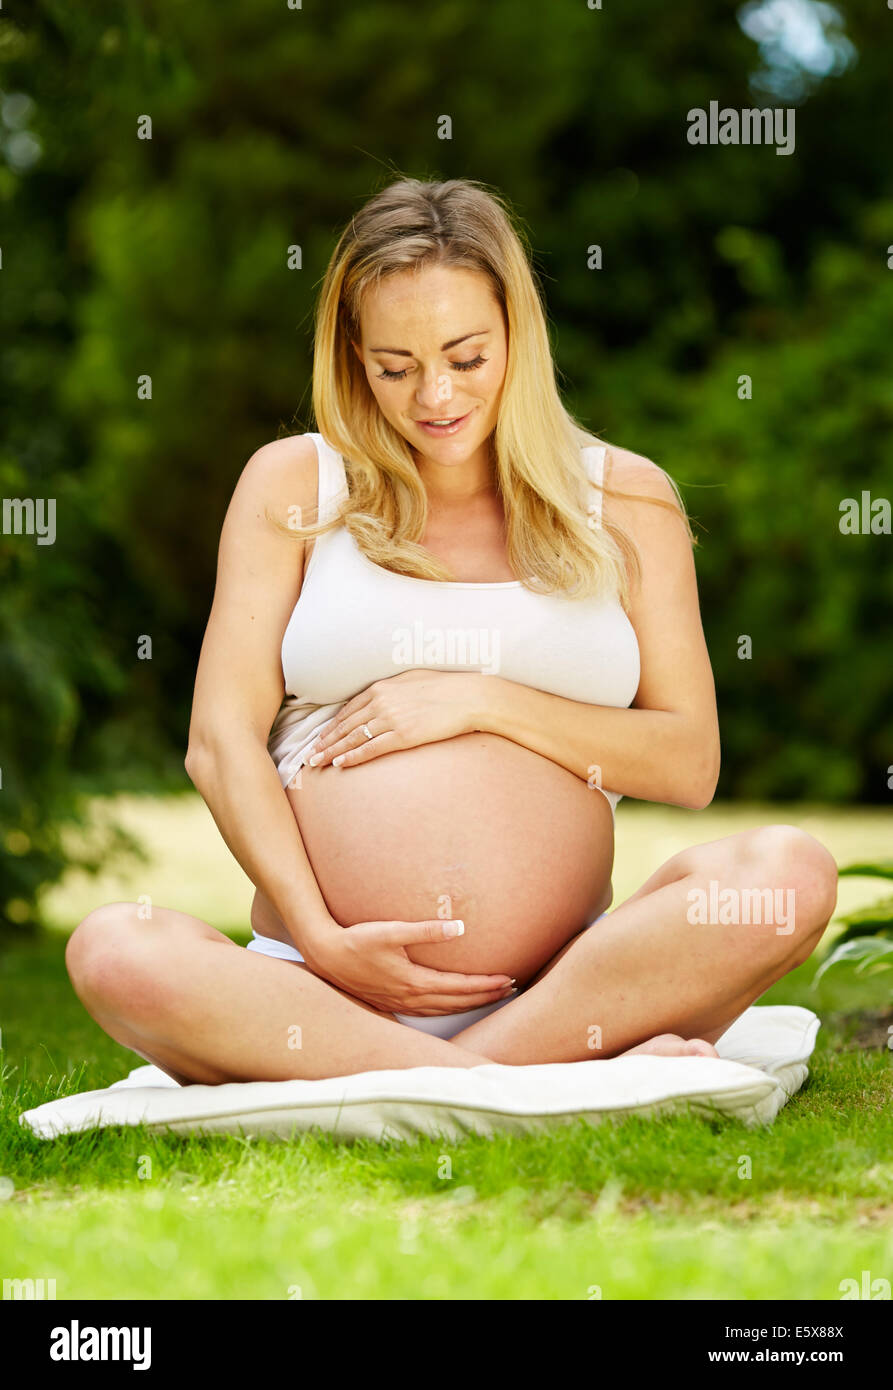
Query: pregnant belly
(475,827)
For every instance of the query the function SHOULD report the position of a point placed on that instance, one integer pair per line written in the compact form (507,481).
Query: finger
(338,727)
(437,982)
(322,754)
(358,701)
(348,717)
(352,736)
(430,929)
(367,749)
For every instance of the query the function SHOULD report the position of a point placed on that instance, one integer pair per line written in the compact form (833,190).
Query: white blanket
(763,1061)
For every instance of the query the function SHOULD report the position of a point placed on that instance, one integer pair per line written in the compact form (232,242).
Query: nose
(435,390)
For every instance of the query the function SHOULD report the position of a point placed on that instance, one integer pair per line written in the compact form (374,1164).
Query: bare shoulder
(648,511)
(280,476)
(636,476)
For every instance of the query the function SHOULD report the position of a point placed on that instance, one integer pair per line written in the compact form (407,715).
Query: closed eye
(469,366)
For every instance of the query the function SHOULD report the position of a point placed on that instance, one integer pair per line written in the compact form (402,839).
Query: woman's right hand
(370,961)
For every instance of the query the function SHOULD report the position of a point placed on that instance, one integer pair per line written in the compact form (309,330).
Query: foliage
(869,954)
(168,257)
(865,944)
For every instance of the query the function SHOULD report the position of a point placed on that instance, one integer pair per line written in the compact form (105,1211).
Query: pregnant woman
(450,630)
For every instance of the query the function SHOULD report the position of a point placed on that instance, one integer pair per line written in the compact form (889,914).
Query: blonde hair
(536,444)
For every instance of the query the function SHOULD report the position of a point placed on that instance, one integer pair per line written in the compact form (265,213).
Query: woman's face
(433,345)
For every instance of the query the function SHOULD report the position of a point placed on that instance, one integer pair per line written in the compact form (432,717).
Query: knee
(796,860)
(102,953)
(790,859)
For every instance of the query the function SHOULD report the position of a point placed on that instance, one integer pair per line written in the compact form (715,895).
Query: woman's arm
(239,685)
(665,748)
(238,692)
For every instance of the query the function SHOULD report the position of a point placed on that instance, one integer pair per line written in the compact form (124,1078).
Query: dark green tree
(128,260)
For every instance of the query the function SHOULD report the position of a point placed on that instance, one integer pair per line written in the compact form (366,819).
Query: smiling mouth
(443,424)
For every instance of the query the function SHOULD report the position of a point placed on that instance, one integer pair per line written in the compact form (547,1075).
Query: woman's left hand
(402,711)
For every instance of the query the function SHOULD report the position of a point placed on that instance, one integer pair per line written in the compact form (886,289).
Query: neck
(451,484)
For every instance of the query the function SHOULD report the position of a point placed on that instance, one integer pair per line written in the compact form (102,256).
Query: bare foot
(669,1045)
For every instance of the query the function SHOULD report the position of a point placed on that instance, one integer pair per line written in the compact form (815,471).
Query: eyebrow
(454,342)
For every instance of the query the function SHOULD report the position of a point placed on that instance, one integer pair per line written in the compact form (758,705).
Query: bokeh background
(169,257)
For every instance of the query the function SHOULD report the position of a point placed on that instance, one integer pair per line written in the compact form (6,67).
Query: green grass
(637,1208)
(640,1208)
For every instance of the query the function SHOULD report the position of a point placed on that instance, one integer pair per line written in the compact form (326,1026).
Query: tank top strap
(594,456)
(332,478)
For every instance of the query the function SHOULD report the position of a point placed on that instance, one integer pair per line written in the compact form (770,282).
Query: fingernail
(336,762)
(513,982)
(315,760)
(453,928)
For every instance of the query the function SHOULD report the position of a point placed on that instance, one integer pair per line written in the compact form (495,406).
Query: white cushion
(763,1061)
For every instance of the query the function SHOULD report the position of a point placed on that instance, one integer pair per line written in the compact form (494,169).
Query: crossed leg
(185,997)
(651,966)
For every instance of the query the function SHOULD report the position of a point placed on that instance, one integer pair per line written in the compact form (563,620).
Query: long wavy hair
(536,445)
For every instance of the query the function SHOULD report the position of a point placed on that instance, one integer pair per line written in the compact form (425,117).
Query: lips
(440,426)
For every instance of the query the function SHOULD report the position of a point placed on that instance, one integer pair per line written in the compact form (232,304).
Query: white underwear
(439,1025)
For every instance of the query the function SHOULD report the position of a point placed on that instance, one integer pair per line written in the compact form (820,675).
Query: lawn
(630,1209)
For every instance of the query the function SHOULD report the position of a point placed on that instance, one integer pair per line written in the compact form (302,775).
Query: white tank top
(355,623)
